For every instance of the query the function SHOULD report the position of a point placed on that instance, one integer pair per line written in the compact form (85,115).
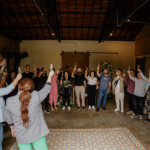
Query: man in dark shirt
(29,74)
(80,84)
(42,78)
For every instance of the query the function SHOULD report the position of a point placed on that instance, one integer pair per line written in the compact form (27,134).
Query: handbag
(116,82)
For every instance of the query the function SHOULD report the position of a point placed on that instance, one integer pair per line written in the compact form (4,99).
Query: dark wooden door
(78,59)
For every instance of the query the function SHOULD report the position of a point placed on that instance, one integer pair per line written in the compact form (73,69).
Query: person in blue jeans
(105,85)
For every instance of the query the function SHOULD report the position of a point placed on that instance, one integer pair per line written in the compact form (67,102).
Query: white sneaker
(63,108)
(122,111)
(69,108)
(117,109)
(93,107)
(89,107)
(134,116)
(140,117)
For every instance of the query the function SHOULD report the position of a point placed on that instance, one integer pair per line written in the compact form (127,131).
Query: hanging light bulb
(111,34)
(53,33)
(128,20)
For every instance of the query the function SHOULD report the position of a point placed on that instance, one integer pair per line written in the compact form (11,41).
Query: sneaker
(97,109)
(89,107)
(134,116)
(146,120)
(104,108)
(122,111)
(78,108)
(69,108)
(83,108)
(93,107)
(140,117)
(117,109)
(63,108)
(47,111)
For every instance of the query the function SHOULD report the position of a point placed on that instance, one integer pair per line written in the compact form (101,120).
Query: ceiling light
(53,33)
(128,20)
(111,34)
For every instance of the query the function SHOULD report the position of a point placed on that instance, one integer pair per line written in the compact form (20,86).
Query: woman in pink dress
(53,96)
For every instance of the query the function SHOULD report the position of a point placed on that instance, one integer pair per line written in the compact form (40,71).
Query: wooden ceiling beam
(123,19)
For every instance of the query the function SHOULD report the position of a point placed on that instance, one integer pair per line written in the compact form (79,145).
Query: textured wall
(142,42)
(42,53)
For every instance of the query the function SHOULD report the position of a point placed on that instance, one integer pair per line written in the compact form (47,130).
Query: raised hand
(51,73)
(19,76)
(74,69)
(97,67)
(35,68)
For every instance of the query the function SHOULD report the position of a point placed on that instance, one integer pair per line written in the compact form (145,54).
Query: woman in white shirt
(92,86)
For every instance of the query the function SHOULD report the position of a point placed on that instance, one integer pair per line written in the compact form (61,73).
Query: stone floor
(91,119)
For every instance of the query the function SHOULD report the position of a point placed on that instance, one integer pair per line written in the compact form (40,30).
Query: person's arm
(39,75)
(72,75)
(84,82)
(86,77)
(109,86)
(97,86)
(132,78)
(98,74)
(46,89)
(142,75)
(61,81)
(125,79)
(35,73)
(10,120)
(8,89)
(113,85)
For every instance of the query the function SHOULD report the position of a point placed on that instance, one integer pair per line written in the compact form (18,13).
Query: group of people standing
(26,91)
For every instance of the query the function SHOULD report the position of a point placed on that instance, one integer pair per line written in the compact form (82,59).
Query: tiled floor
(87,119)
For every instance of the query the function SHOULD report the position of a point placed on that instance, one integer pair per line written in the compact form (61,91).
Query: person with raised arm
(28,74)
(25,117)
(147,101)
(92,86)
(5,91)
(139,93)
(105,85)
(53,96)
(118,89)
(130,91)
(80,85)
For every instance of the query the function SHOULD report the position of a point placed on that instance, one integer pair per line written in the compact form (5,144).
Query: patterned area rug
(91,139)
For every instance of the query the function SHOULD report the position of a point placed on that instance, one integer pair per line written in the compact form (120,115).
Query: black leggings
(130,101)
(91,94)
(138,101)
(46,102)
(68,102)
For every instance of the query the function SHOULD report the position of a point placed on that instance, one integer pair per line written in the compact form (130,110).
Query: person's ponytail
(26,86)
